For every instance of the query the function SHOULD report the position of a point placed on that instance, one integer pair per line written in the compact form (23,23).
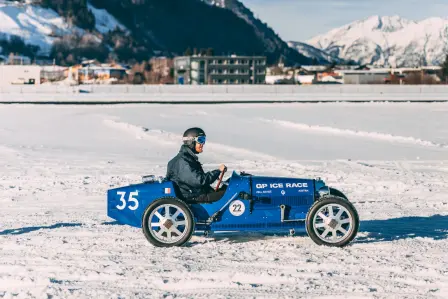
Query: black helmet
(193,135)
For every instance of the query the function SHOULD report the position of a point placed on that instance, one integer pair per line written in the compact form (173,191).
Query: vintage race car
(250,203)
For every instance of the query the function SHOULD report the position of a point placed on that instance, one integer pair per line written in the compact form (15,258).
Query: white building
(305,79)
(373,76)
(20,74)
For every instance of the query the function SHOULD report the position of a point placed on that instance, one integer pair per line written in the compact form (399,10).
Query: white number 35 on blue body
(131,199)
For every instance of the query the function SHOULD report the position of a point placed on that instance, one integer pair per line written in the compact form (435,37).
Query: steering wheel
(220,178)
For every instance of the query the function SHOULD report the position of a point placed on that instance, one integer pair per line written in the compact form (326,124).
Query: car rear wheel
(332,221)
(168,222)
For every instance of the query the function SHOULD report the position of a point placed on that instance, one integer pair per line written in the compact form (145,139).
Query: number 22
(131,199)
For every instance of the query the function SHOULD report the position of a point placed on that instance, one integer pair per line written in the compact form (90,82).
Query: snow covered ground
(56,241)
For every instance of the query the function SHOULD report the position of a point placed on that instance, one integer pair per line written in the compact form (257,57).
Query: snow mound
(348,132)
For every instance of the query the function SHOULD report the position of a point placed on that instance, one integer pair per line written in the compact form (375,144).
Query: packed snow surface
(58,162)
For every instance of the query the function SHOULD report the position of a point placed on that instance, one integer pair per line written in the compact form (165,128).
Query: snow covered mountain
(41,27)
(320,56)
(392,41)
(36,25)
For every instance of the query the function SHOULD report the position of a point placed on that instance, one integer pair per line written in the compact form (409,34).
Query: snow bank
(347,132)
(221,93)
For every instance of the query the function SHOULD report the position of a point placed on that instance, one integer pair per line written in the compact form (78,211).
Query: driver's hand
(222,167)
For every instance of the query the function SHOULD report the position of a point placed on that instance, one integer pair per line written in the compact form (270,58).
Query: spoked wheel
(168,222)
(332,221)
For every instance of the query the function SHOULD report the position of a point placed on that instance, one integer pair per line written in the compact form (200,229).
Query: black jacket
(186,172)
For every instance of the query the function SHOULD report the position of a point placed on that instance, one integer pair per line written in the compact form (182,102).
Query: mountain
(391,41)
(318,56)
(40,27)
(129,30)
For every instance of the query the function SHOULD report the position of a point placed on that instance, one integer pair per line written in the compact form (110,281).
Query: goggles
(199,139)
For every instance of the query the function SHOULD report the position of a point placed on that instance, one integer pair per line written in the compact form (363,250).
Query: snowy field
(391,159)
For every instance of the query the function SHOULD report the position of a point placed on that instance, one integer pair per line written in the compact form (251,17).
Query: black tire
(351,229)
(338,193)
(150,234)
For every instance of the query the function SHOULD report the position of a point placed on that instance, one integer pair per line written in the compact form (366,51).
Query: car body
(250,203)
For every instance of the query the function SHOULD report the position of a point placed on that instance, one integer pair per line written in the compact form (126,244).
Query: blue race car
(250,203)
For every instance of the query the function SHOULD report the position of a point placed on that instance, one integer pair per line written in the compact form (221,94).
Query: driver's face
(199,147)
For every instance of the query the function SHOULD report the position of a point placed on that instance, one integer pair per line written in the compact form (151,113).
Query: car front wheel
(332,221)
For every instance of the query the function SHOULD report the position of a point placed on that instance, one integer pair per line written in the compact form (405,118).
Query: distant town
(208,69)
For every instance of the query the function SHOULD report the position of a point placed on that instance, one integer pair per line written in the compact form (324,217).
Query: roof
(311,68)
(103,68)
(220,57)
(373,71)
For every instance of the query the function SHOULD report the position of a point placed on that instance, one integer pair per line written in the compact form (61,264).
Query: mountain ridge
(387,41)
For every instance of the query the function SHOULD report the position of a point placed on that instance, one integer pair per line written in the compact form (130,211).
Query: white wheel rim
(168,223)
(332,223)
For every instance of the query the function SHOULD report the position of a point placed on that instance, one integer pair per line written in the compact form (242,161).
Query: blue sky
(300,20)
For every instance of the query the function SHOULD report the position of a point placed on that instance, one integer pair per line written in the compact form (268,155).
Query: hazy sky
(300,20)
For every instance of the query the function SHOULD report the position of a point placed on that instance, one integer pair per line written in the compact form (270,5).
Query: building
(416,75)
(330,77)
(161,65)
(17,60)
(220,69)
(278,79)
(53,73)
(93,73)
(374,76)
(20,74)
(161,71)
(305,79)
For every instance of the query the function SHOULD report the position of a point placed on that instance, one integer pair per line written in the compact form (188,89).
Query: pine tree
(210,52)
(445,69)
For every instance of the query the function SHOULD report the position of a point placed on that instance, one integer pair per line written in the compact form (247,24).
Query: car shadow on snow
(434,227)
(115,222)
(371,231)
(24,230)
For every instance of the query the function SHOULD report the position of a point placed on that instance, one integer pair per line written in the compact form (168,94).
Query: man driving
(186,172)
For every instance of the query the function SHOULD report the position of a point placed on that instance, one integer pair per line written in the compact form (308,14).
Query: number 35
(130,199)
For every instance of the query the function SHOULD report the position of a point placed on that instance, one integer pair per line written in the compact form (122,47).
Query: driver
(186,172)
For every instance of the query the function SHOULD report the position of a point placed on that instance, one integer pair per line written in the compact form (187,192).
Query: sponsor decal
(281,185)
(237,208)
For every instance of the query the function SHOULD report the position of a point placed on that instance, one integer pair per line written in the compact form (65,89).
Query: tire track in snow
(348,132)
(172,139)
